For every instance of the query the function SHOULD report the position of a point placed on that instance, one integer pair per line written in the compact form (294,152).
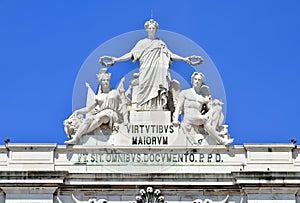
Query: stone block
(150,117)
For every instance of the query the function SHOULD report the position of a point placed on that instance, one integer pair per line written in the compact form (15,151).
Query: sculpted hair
(200,74)
(102,74)
(149,22)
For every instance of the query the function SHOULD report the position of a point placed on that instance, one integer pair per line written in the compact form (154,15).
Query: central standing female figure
(154,74)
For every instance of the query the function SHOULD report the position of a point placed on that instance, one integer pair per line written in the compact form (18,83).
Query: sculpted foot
(228,142)
(71,142)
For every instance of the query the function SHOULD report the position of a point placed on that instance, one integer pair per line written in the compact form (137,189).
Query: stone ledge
(32,177)
(267,178)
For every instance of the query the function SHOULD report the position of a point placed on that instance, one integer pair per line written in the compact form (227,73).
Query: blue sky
(255,46)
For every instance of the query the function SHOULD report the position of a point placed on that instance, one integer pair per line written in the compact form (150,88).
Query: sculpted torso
(192,106)
(108,100)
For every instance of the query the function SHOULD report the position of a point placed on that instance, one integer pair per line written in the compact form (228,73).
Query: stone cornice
(8,178)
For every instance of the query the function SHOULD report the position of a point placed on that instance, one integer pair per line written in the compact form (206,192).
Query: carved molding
(88,201)
(210,201)
(150,195)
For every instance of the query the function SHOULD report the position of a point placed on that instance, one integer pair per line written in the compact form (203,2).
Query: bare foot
(228,141)
(71,142)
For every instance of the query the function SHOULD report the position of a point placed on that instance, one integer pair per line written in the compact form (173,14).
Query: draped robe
(154,73)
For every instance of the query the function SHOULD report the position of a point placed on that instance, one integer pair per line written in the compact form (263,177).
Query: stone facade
(151,143)
(251,173)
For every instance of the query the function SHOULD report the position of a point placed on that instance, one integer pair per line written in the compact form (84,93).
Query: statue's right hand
(205,118)
(176,123)
(107,61)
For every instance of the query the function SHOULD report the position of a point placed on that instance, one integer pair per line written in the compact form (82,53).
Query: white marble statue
(201,114)
(104,109)
(154,75)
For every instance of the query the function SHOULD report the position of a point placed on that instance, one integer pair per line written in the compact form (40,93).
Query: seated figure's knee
(104,119)
(89,120)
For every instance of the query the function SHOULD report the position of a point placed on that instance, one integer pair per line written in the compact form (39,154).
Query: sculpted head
(197,79)
(151,26)
(104,79)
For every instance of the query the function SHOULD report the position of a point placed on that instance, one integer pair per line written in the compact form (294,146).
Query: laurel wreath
(195,60)
(106,61)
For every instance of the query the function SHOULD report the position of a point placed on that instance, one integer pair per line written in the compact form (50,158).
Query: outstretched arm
(179,58)
(125,57)
(110,60)
(192,60)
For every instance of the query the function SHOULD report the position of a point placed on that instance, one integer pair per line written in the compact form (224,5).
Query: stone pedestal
(150,117)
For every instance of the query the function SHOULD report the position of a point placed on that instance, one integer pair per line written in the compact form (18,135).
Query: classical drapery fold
(154,75)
